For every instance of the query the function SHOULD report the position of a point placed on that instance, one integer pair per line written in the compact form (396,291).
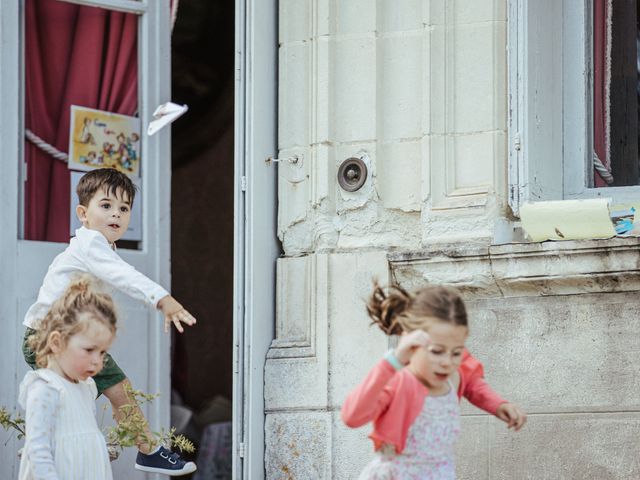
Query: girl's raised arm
(369,399)
(475,389)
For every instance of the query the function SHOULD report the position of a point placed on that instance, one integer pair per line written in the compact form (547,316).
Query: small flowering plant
(8,421)
(129,432)
(132,428)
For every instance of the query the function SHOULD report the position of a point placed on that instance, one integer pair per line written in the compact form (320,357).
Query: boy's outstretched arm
(174,313)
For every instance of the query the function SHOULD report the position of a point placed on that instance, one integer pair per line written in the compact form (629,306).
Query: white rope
(58,155)
(53,151)
(46,147)
(607,82)
(604,172)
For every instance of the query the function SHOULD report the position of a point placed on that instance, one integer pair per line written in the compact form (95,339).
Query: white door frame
(256,245)
(23,263)
(9,132)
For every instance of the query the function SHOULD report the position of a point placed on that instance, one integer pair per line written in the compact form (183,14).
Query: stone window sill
(525,269)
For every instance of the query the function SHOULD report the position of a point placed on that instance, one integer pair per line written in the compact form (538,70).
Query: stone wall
(555,325)
(560,340)
(417,90)
(415,87)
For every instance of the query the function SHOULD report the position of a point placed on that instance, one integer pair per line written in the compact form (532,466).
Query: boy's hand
(174,313)
(512,415)
(408,344)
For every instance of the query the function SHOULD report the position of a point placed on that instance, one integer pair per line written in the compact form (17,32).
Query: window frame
(551,148)
(153,63)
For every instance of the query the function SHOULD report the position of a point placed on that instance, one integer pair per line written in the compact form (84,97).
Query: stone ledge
(524,269)
(302,348)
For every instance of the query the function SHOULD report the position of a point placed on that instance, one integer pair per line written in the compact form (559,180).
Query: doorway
(202,227)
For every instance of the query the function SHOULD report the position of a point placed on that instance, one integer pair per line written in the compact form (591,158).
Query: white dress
(63,441)
(429,451)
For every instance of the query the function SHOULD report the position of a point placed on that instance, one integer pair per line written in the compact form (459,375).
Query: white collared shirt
(90,252)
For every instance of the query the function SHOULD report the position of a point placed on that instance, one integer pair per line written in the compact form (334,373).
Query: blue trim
(393,360)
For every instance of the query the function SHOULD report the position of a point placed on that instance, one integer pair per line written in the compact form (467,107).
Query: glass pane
(616,93)
(74,55)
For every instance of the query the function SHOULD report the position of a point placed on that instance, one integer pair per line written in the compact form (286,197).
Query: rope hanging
(604,172)
(58,155)
(46,147)
(174,13)
(53,151)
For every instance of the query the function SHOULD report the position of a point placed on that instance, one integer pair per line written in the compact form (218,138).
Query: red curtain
(75,55)
(600,85)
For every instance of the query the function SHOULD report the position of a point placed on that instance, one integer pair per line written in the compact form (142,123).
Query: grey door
(256,245)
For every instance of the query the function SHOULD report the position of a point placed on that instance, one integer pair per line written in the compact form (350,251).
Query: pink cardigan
(393,399)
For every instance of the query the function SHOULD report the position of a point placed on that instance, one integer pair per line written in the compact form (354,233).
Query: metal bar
(240,248)
(128,6)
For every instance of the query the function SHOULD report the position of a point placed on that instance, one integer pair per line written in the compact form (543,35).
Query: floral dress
(429,451)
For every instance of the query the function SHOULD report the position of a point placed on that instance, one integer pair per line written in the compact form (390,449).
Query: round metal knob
(352,174)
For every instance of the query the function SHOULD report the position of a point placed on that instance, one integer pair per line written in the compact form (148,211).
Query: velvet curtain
(601,85)
(74,55)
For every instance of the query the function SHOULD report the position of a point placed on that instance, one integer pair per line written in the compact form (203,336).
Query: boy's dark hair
(108,179)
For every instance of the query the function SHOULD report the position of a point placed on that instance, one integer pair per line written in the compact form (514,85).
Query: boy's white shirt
(90,252)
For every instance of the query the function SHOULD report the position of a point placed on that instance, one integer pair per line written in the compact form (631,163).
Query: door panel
(141,347)
(256,243)
(135,323)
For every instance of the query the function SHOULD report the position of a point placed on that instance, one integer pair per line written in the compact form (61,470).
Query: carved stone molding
(525,269)
(298,305)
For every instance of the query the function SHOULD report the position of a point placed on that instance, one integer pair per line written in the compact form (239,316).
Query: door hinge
(514,194)
(243,183)
(241,450)
(515,199)
(517,142)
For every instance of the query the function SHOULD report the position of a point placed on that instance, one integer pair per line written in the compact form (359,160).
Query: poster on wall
(134,232)
(100,139)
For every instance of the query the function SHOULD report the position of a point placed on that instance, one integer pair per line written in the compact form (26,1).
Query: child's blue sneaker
(164,461)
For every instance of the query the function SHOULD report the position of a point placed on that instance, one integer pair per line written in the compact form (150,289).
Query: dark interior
(625,93)
(202,196)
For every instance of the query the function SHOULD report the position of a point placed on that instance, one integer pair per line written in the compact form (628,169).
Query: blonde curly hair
(82,296)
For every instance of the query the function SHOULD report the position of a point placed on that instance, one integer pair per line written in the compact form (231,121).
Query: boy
(106,196)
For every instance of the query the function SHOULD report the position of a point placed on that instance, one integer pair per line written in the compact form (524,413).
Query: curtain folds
(74,55)
(601,84)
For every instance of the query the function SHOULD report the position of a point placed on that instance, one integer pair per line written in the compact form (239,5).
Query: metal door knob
(352,174)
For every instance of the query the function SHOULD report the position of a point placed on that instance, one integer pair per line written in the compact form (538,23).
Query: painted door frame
(9,131)
(23,263)
(256,247)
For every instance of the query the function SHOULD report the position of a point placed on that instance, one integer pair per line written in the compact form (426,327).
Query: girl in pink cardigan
(412,394)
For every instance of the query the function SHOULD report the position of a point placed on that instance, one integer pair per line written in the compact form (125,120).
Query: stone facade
(417,90)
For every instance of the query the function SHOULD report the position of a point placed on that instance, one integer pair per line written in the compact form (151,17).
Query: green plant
(132,428)
(9,422)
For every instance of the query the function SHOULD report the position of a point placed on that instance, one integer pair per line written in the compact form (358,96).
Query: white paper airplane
(164,115)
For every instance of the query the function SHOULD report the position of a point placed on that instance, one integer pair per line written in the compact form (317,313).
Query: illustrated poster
(100,139)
